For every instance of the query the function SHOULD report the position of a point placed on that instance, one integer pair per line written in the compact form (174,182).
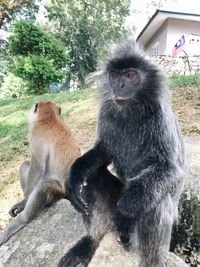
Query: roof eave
(161,16)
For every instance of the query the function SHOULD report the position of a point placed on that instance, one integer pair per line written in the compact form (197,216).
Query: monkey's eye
(114,75)
(131,75)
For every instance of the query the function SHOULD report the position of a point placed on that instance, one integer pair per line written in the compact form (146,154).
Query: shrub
(13,86)
(40,58)
(38,71)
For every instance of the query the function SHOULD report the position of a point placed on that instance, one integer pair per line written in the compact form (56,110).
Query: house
(165,28)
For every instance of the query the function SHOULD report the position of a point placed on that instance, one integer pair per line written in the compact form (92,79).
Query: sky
(143,10)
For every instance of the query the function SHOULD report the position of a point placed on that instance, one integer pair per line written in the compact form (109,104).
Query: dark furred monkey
(138,133)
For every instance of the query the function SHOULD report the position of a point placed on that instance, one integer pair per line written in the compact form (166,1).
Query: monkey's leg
(45,193)
(102,194)
(23,174)
(154,234)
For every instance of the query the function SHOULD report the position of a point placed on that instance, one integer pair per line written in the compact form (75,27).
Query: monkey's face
(124,84)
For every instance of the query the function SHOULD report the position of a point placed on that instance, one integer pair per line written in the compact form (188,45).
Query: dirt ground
(186,104)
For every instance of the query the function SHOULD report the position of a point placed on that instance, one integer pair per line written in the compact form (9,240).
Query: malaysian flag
(178,46)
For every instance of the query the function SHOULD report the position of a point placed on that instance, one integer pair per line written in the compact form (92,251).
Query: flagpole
(188,62)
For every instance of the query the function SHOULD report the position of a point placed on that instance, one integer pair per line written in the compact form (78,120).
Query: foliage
(5,60)
(12,86)
(186,234)
(39,71)
(39,57)
(29,38)
(10,12)
(85,26)
(13,119)
(9,9)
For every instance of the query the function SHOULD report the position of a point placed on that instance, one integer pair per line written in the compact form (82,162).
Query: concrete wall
(161,37)
(178,66)
(170,32)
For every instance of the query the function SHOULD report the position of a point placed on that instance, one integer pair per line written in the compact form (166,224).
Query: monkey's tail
(81,253)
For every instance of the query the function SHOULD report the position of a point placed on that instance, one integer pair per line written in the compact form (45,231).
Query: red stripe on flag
(175,51)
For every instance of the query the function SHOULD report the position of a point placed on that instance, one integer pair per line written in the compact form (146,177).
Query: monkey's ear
(59,110)
(36,107)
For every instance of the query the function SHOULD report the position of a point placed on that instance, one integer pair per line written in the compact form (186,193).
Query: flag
(178,46)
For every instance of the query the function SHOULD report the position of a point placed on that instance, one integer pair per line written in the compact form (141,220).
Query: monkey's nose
(122,85)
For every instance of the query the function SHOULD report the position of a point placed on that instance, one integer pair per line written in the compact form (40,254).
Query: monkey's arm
(82,169)
(36,171)
(143,194)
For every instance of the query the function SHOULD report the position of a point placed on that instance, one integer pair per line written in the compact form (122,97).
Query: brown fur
(49,131)
(44,177)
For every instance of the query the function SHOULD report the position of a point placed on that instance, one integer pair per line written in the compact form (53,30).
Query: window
(194,40)
(155,49)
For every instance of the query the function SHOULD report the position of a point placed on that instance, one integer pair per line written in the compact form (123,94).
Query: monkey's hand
(83,169)
(77,189)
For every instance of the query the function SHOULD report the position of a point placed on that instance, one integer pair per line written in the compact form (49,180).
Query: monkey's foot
(74,259)
(81,254)
(17,208)
(71,261)
(14,211)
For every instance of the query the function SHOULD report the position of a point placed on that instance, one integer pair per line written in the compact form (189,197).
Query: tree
(9,8)
(40,58)
(85,26)
(5,60)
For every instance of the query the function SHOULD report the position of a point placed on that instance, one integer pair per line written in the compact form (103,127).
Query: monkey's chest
(122,146)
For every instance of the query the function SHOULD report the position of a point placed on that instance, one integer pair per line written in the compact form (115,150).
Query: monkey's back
(61,146)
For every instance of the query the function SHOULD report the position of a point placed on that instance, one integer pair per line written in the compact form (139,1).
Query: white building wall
(177,28)
(160,37)
(170,32)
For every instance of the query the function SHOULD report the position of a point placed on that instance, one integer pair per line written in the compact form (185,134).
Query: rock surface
(46,239)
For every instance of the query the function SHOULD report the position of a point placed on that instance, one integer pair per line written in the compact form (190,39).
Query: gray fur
(142,140)
(36,198)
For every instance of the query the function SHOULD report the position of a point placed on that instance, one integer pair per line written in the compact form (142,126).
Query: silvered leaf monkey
(138,133)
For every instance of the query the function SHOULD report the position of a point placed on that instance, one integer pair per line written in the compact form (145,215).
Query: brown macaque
(43,178)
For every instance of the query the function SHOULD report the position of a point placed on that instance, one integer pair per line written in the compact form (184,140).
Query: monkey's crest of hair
(124,50)
(128,55)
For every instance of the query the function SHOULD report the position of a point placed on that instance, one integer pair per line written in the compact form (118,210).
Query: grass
(79,111)
(182,81)
(13,118)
